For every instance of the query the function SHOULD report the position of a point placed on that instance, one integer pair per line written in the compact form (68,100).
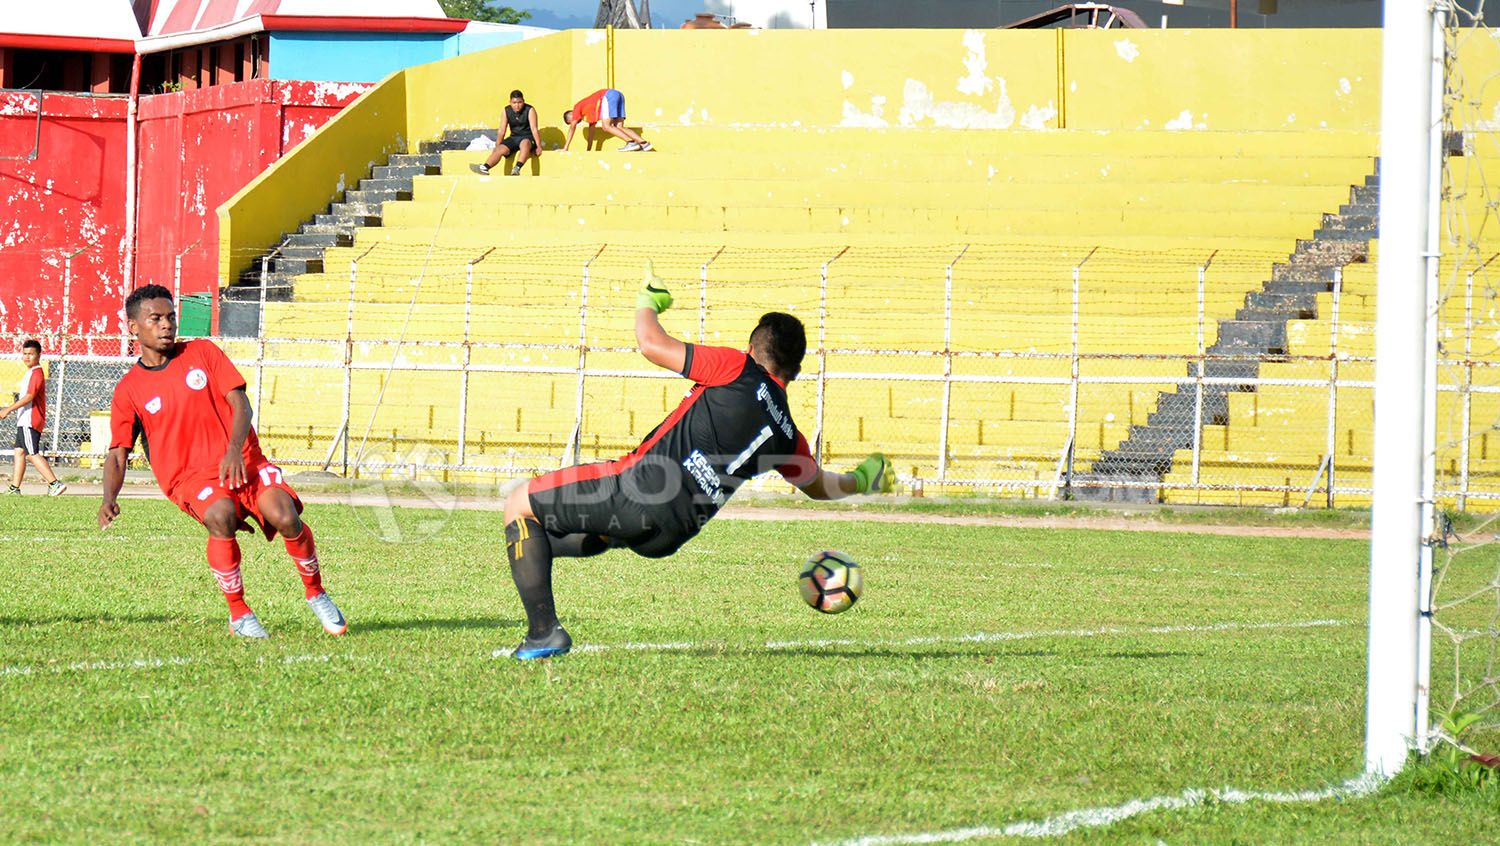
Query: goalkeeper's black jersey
(733,425)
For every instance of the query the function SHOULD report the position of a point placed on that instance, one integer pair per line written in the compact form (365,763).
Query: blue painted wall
(353,56)
(472,42)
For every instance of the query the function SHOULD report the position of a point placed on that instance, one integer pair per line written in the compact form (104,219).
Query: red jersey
(181,412)
(590,108)
(33,415)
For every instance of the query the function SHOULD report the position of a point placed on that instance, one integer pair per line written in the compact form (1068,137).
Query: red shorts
(197,493)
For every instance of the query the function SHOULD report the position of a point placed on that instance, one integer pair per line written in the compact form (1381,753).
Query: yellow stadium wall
(472,90)
(999,79)
(1216,80)
(315,173)
(1479,66)
(1220,79)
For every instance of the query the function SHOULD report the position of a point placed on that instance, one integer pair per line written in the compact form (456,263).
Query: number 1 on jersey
(739,460)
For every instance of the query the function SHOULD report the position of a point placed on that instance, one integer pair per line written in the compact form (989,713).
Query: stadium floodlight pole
(1397,536)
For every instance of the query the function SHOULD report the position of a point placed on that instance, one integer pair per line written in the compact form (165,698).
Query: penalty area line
(928,640)
(1070,821)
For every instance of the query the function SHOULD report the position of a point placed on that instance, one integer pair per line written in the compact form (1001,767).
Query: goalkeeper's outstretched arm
(655,344)
(873,475)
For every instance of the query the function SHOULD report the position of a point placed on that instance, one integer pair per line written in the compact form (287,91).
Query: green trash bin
(195,315)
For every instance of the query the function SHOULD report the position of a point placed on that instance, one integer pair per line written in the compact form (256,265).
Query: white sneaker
(328,614)
(646,147)
(248,626)
(632,147)
(56,488)
(480,169)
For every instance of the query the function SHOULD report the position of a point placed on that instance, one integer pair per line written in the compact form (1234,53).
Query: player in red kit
(186,402)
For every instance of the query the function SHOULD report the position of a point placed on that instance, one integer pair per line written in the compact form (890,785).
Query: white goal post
(1405,381)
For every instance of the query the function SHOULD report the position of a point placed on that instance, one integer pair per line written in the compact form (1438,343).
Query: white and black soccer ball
(831,582)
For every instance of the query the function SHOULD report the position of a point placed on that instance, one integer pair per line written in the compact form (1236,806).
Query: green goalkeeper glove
(874,475)
(654,294)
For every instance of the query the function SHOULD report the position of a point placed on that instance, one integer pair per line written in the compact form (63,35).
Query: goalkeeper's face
(155,325)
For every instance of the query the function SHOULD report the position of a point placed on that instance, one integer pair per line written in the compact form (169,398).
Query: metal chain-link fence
(1039,370)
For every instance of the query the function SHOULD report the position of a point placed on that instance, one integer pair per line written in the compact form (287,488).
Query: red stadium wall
(199,147)
(195,148)
(71,196)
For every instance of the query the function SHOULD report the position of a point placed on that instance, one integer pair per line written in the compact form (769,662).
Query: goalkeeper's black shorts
(645,507)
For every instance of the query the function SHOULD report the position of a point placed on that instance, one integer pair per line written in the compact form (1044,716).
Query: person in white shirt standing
(30,409)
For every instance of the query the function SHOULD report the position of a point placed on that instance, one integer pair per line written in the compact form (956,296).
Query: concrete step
(359,196)
(355,210)
(405,172)
(389,184)
(315,241)
(416,159)
(1334,233)
(343,232)
(346,220)
(1300,305)
(1252,336)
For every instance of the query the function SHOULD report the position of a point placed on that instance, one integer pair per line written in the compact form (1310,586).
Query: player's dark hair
(568,116)
(32,344)
(140,295)
(517,95)
(782,339)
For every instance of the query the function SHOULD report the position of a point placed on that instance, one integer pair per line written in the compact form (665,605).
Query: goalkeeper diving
(734,424)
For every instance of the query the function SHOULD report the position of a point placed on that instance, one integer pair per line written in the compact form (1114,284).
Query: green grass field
(989,676)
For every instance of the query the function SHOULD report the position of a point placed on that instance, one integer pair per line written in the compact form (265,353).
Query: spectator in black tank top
(520,120)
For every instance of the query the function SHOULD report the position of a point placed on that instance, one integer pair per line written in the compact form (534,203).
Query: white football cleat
(328,614)
(248,626)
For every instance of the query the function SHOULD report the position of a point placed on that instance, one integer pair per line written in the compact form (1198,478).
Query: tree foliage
(481,10)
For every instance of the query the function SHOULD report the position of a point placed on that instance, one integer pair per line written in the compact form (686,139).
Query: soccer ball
(831,582)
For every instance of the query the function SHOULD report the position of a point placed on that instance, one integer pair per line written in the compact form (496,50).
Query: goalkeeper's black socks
(530,553)
(578,545)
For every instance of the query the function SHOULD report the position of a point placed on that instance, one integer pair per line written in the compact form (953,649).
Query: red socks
(305,556)
(224,561)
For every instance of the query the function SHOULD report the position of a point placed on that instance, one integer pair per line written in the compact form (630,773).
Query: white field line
(977,637)
(1071,821)
(685,646)
(145,664)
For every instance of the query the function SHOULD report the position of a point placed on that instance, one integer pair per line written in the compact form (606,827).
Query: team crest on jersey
(154,405)
(197,379)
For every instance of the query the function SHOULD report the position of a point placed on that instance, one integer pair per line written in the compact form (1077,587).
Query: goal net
(1464,593)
